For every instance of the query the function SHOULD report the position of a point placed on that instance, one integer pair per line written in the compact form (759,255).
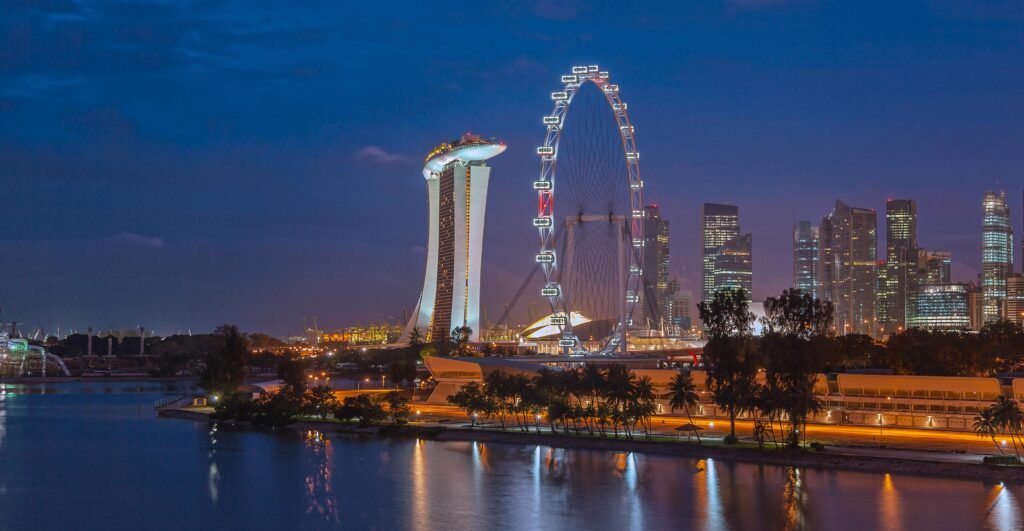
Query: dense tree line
(592,400)
(291,404)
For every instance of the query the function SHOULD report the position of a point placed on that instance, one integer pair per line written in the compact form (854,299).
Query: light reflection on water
(62,446)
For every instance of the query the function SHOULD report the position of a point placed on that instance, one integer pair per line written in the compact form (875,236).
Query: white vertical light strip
(479,177)
(425,307)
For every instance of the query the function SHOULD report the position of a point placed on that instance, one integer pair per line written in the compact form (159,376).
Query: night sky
(180,165)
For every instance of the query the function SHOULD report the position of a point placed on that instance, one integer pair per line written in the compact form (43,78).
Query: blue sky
(180,165)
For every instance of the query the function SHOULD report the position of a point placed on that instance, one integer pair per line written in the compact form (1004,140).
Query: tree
(643,402)
(618,394)
(360,407)
(225,367)
(319,401)
(683,395)
(277,409)
(985,425)
(1008,418)
(401,371)
(415,337)
(729,358)
(460,341)
(791,364)
(397,406)
(760,433)
(472,400)
(292,371)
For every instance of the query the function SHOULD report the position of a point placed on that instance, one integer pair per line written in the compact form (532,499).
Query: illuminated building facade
(938,267)
(940,307)
(901,263)
(1014,306)
(975,304)
(657,292)
(849,270)
(719,224)
(457,178)
(996,255)
(373,334)
(805,258)
(733,265)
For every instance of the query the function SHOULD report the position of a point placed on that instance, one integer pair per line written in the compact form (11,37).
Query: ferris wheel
(591,245)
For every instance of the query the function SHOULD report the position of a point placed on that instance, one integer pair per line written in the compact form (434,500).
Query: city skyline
(149,188)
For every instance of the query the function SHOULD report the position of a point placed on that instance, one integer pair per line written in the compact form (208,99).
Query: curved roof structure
(545,328)
(468,148)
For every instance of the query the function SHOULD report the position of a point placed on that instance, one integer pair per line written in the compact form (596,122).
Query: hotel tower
(457,178)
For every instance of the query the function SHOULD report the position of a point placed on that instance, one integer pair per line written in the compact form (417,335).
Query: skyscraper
(657,296)
(901,262)
(938,267)
(805,258)
(996,255)
(849,276)
(457,179)
(1014,306)
(681,311)
(733,265)
(719,224)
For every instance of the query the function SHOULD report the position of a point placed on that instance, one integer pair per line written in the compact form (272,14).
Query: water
(94,456)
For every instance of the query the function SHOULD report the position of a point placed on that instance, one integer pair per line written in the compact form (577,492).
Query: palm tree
(683,395)
(1008,418)
(985,425)
(618,394)
(760,432)
(771,402)
(416,336)
(496,387)
(601,417)
(643,397)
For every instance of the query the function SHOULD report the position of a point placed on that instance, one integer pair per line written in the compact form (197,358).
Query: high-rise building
(805,258)
(975,303)
(884,287)
(849,277)
(940,307)
(719,224)
(938,267)
(1014,306)
(996,255)
(681,311)
(657,295)
(733,265)
(901,263)
(457,179)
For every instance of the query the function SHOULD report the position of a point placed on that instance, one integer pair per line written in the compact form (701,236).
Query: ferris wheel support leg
(570,254)
(622,288)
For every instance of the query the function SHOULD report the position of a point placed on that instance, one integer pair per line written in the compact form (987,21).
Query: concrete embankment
(767,456)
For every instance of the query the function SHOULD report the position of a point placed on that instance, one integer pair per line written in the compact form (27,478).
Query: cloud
(381,155)
(131,238)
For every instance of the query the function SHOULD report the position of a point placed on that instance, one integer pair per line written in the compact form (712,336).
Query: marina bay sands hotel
(457,177)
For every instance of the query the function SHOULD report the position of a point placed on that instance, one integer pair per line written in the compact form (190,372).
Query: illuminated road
(876,439)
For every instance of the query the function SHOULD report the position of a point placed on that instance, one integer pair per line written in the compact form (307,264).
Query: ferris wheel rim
(545,220)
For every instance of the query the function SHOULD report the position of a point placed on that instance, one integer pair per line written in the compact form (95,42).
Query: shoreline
(94,378)
(768,456)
